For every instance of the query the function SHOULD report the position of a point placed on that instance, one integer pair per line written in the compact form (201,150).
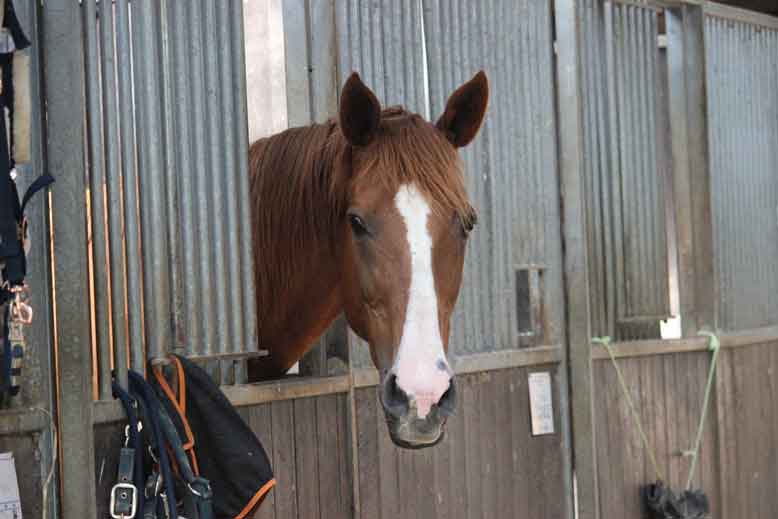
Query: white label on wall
(10,505)
(541,403)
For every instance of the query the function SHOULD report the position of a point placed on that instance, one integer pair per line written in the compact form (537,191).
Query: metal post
(699,174)
(63,46)
(578,352)
(38,381)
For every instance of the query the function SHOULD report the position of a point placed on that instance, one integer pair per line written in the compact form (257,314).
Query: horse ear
(360,112)
(465,111)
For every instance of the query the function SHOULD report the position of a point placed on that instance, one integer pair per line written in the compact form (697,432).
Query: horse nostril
(394,399)
(448,402)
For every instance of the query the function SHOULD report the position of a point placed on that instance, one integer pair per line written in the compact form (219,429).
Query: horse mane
(302,177)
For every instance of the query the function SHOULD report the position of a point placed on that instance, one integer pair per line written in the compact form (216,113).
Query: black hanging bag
(221,445)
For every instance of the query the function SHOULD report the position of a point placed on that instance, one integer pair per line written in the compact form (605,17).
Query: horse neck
(296,231)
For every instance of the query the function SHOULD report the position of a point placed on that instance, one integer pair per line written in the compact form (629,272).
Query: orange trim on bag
(181,411)
(254,500)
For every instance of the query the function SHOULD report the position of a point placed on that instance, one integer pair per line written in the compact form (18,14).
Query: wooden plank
(389,481)
(259,419)
(456,438)
(330,457)
(367,419)
(424,478)
(406,476)
(441,455)
(521,442)
(347,497)
(503,451)
(306,458)
(724,403)
(488,444)
(479,362)
(472,447)
(286,389)
(282,417)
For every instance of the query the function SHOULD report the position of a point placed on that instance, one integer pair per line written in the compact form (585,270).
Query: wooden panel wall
(748,421)
(488,465)
(307,441)
(738,464)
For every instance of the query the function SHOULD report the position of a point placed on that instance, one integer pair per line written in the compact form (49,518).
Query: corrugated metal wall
(625,167)
(511,167)
(415,54)
(742,74)
(167,162)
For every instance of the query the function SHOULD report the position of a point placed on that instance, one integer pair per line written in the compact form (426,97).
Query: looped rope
(714,346)
(606,341)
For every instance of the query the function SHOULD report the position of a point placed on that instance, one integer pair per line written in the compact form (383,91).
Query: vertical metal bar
(681,180)
(230,181)
(130,178)
(215,161)
(185,149)
(63,47)
(148,106)
(244,209)
(201,168)
(706,299)
(577,358)
(97,200)
(171,173)
(114,188)
(38,383)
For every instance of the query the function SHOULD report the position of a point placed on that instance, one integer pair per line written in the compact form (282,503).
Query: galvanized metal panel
(168,138)
(742,71)
(511,167)
(624,165)
(383,42)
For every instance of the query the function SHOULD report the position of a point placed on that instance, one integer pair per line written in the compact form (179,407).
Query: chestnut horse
(368,215)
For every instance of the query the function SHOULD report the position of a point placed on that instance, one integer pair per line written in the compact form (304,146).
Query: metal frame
(63,50)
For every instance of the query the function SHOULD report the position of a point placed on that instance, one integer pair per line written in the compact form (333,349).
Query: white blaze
(420,354)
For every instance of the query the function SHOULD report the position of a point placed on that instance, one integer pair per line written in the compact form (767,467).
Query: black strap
(134,439)
(124,495)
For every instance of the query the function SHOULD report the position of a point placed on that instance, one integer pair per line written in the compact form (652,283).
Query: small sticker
(541,403)
(10,504)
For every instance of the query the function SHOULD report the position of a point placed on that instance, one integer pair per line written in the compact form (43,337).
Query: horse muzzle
(406,428)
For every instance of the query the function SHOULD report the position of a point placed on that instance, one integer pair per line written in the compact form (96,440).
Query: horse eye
(358,226)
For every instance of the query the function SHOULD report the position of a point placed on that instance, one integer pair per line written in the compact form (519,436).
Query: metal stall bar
(99,239)
(578,362)
(184,149)
(171,173)
(215,162)
(244,210)
(114,189)
(201,176)
(64,83)
(231,253)
(151,163)
(130,180)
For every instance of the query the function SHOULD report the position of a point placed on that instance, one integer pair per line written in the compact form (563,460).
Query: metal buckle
(21,312)
(115,491)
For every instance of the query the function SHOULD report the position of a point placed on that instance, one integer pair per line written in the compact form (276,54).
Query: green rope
(606,341)
(715,347)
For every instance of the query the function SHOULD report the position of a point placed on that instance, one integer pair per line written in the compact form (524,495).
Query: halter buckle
(120,494)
